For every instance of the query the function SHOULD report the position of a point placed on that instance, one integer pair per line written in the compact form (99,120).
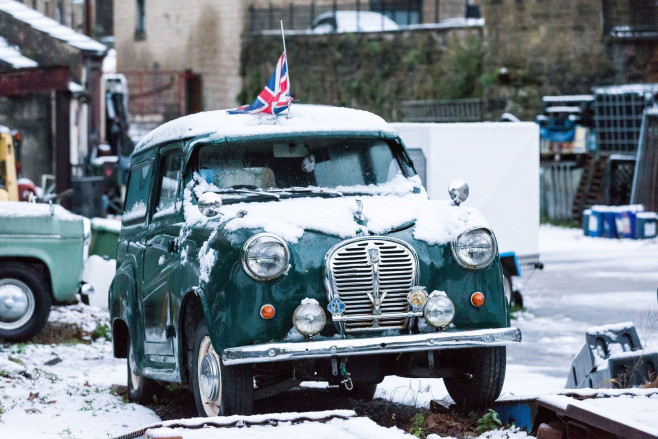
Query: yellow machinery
(8,180)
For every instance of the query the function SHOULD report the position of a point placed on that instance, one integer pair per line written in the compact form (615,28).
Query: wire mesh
(618,115)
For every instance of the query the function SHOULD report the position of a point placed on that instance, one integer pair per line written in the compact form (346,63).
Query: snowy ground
(65,391)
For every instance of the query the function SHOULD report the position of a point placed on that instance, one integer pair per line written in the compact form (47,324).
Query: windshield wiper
(327,193)
(258,193)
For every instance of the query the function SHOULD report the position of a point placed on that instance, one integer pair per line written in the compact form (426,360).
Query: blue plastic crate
(646,225)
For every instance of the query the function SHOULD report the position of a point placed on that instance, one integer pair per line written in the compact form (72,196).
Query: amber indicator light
(267,311)
(477,299)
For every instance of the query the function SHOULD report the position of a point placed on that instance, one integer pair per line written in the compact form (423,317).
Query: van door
(161,257)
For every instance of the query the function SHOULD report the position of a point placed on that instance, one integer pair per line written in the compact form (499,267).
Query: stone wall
(372,71)
(201,35)
(546,47)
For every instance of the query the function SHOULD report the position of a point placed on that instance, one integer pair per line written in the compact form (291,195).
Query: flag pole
(285,54)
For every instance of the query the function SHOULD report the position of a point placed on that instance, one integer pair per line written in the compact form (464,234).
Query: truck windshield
(325,163)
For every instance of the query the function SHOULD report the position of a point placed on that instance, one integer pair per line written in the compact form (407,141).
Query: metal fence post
(436,11)
(358,14)
(312,12)
(252,18)
(291,16)
(271,16)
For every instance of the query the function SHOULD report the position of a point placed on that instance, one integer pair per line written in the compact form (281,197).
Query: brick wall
(201,35)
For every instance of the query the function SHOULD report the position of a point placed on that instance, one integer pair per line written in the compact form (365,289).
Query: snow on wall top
(47,25)
(12,56)
(304,119)
(627,88)
(21,209)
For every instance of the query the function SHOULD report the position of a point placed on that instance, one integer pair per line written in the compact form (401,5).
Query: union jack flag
(275,96)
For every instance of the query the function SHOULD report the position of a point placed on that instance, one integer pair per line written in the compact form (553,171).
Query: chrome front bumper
(343,347)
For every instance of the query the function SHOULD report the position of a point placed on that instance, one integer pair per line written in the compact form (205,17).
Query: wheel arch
(193,308)
(120,337)
(37,264)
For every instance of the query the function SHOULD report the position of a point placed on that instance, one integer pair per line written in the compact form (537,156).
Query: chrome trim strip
(366,317)
(10,236)
(272,352)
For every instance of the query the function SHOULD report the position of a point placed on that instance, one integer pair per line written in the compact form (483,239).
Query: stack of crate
(618,116)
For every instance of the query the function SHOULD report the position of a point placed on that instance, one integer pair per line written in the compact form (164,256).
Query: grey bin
(87,197)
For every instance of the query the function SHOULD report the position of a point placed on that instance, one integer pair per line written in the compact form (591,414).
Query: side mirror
(209,204)
(458,190)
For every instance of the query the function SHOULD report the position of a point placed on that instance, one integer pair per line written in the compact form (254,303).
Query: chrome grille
(355,278)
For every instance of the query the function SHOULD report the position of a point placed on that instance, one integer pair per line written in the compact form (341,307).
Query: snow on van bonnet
(386,207)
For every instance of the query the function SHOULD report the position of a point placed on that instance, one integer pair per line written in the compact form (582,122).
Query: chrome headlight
(309,318)
(474,249)
(265,257)
(439,310)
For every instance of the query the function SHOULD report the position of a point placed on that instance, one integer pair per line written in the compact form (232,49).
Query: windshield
(326,163)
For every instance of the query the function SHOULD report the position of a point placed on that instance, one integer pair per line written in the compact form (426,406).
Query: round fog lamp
(309,318)
(439,310)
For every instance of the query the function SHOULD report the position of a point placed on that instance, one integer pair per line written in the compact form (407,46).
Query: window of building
(403,12)
(140,25)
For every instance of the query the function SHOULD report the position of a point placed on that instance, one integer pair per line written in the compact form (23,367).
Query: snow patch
(311,119)
(21,209)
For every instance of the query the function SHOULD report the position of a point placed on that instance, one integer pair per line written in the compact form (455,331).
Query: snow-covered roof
(563,109)
(566,98)
(51,27)
(304,119)
(12,55)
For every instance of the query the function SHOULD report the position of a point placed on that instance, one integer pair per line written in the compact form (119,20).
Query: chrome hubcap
(209,378)
(16,304)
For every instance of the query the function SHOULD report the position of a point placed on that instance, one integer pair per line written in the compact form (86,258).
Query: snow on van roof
(303,119)
(51,27)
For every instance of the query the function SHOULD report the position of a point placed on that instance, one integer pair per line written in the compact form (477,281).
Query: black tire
(507,288)
(364,391)
(517,298)
(235,383)
(487,367)
(31,285)
(140,388)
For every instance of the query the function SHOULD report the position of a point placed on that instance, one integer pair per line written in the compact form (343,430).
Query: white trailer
(500,163)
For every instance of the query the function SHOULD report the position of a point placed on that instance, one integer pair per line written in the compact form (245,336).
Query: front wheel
(481,376)
(24,302)
(140,388)
(219,390)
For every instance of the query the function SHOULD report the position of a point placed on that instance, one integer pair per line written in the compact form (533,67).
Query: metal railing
(446,111)
(300,15)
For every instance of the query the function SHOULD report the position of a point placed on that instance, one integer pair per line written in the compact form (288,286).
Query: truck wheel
(219,390)
(140,388)
(24,301)
(365,391)
(487,368)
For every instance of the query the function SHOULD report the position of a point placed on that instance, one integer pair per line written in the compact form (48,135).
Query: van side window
(168,179)
(138,193)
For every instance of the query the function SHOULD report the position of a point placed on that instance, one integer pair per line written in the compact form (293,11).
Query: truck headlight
(309,318)
(439,310)
(265,257)
(474,249)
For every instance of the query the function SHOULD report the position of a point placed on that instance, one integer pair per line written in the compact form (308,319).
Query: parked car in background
(258,252)
(352,21)
(42,253)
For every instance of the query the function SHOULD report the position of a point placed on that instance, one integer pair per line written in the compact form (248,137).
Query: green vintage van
(43,249)
(258,252)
